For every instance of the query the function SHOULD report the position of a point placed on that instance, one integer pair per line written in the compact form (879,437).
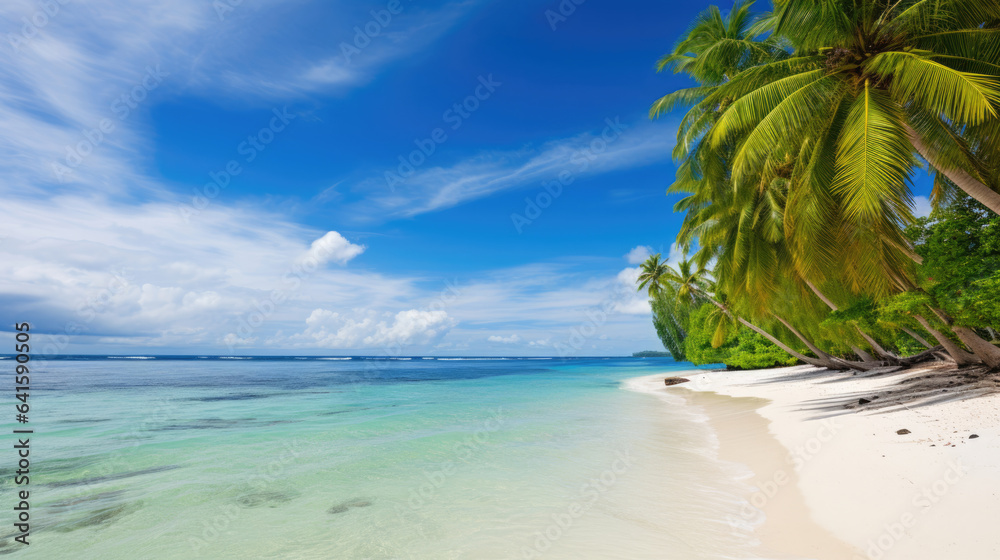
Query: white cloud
(119,267)
(512,339)
(354,58)
(639,254)
(921,206)
(331,247)
(330,329)
(676,255)
(632,301)
(429,188)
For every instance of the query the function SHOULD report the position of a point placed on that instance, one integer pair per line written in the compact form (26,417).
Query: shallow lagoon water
(363,458)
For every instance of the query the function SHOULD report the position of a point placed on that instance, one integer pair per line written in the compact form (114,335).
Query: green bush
(741,348)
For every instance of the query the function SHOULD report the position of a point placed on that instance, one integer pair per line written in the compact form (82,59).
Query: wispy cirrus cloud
(614,146)
(120,264)
(75,91)
(362,43)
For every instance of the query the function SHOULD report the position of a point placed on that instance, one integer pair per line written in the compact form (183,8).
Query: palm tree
(712,51)
(651,275)
(797,164)
(689,280)
(692,281)
(870,83)
(670,318)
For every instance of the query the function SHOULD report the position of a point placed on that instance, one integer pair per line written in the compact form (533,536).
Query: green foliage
(981,303)
(670,317)
(960,244)
(698,344)
(740,348)
(753,351)
(899,310)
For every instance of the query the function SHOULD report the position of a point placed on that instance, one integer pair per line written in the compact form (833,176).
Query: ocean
(147,457)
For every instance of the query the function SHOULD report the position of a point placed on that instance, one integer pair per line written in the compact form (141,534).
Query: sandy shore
(841,483)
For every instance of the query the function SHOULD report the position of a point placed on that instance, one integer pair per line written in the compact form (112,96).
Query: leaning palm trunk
(916,336)
(882,352)
(815,349)
(865,357)
(961,357)
(785,347)
(827,360)
(986,352)
(767,335)
(974,188)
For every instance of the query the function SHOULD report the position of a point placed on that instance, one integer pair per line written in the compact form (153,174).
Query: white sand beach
(843,483)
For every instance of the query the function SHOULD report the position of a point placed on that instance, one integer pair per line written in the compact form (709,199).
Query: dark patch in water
(86,500)
(205,424)
(238,397)
(270,499)
(332,412)
(352,503)
(98,517)
(119,476)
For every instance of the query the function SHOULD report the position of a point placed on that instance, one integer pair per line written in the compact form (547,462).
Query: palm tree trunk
(961,357)
(767,335)
(974,188)
(782,345)
(820,295)
(989,354)
(815,350)
(826,359)
(865,357)
(876,346)
(916,336)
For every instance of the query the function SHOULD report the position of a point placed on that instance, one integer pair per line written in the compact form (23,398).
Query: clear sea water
(362,458)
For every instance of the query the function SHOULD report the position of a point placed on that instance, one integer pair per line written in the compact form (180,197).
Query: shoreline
(841,483)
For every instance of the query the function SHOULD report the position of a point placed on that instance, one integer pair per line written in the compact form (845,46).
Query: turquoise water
(311,458)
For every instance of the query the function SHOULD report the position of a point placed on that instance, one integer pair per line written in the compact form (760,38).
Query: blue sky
(120,120)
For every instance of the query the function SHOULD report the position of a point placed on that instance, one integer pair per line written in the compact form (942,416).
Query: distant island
(651,354)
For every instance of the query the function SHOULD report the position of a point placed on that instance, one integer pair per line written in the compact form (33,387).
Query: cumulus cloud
(331,247)
(334,330)
(631,301)
(512,339)
(639,254)
(136,274)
